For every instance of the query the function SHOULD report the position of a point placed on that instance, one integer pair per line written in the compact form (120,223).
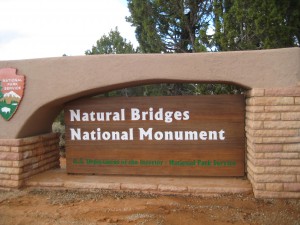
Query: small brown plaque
(178,136)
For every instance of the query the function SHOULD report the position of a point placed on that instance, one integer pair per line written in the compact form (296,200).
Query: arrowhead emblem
(11,92)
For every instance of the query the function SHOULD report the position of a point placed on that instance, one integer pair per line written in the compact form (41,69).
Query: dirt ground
(64,207)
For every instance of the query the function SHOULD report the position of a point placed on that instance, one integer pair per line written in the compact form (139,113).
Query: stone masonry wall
(273,142)
(22,158)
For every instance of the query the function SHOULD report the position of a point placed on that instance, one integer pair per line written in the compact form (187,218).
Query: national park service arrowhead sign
(11,92)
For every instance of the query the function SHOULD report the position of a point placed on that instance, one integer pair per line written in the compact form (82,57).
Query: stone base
(198,186)
(22,158)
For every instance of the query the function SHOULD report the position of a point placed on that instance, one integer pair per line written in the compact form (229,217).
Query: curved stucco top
(51,82)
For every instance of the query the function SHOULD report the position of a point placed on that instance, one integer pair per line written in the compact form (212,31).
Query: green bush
(57,127)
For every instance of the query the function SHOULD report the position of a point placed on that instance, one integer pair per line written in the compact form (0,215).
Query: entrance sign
(11,92)
(176,135)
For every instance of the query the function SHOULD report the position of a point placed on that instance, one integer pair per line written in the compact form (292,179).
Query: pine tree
(175,26)
(256,24)
(113,43)
(171,26)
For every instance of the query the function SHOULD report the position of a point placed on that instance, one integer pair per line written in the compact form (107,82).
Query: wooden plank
(177,136)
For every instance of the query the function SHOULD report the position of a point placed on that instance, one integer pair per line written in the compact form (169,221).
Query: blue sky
(51,28)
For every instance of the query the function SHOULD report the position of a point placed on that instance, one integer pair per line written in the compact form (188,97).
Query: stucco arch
(45,117)
(51,82)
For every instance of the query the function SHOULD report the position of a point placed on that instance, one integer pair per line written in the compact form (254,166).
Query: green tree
(172,25)
(256,24)
(175,26)
(113,43)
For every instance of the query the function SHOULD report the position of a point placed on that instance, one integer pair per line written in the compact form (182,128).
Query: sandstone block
(15,149)
(264,101)
(274,187)
(15,177)
(11,171)
(172,188)
(54,164)
(254,124)
(4,163)
(289,108)
(291,147)
(85,185)
(290,162)
(290,116)
(30,140)
(28,174)
(18,148)
(259,186)
(275,133)
(41,163)
(10,156)
(49,136)
(274,194)
(4,149)
(250,146)
(267,162)
(35,165)
(257,155)
(24,162)
(54,147)
(250,174)
(51,184)
(281,124)
(283,170)
(249,158)
(268,147)
(274,178)
(44,150)
(292,187)
(5,177)
(280,139)
(263,116)
(297,100)
(53,141)
(11,183)
(254,139)
(282,155)
(27,154)
(254,168)
(196,190)
(25,148)
(255,109)
(293,91)
(10,142)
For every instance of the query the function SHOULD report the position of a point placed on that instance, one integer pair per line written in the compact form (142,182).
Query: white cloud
(50,28)
(7,36)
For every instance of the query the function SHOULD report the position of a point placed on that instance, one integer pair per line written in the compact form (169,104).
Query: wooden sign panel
(178,136)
